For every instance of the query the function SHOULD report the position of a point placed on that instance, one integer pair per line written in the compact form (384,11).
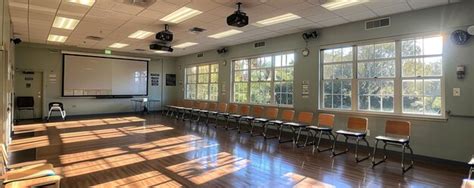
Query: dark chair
(56,107)
(25,103)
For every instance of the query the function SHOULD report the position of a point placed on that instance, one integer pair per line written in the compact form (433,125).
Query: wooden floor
(151,150)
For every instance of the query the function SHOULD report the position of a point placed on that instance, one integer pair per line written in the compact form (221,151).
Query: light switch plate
(456,92)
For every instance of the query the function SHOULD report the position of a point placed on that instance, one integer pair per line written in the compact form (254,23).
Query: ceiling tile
(333,21)
(360,16)
(402,7)
(419,4)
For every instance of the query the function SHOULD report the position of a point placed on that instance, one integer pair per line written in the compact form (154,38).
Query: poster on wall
(170,79)
(305,89)
(155,79)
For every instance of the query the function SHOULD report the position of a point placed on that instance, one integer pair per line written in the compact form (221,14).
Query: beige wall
(48,59)
(448,139)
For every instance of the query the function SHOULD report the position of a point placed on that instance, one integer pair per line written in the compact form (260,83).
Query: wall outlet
(456,92)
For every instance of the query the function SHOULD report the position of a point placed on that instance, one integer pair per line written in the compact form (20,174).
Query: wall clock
(460,37)
(305,52)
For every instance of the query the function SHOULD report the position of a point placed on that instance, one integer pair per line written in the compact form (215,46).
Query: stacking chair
(244,110)
(286,116)
(397,133)
(324,126)
(356,128)
(202,108)
(303,120)
(193,107)
(270,114)
(257,111)
(231,109)
(21,172)
(56,107)
(171,110)
(187,108)
(212,107)
(221,108)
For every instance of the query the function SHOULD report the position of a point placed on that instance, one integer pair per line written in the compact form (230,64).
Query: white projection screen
(85,75)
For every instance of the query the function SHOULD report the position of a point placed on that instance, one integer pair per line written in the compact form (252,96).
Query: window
(202,82)
(264,80)
(376,85)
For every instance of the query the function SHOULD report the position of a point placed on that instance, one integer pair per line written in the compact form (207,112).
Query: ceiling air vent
(96,38)
(196,30)
(140,3)
(259,45)
(377,23)
(200,54)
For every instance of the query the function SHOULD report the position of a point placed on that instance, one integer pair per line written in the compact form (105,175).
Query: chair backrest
(288,115)
(222,107)
(357,124)
(212,106)
(59,104)
(188,104)
(3,151)
(305,117)
(326,120)
(196,105)
(257,111)
(180,103)
(244,110)
(233,108)
(397,127)
(271,113)
(203,105)
(25,102)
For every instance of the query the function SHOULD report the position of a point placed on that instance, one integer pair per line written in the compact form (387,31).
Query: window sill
(265,105)
(388,115)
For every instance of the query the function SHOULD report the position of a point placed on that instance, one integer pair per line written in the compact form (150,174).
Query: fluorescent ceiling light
(180,15)
(184,45)
(339,4)
(65,23)
(225,34)
(83,2)
(57,38)
(278,19)
(140,34)
(161,52)
(118,45)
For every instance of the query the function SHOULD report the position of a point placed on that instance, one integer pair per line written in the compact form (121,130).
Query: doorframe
(43,89)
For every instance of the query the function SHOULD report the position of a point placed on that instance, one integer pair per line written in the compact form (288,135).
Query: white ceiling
(114,20)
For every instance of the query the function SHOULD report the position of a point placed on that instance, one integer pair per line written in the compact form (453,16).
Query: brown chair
(324,126)
(234,117)
(172,109)
(303,120)
(187,107)
(200,111)
(231,109)
(286,116)
(257,111)
(270,114)
(356,128)
(25,171)
(213,107)
(221,108)
(397,133)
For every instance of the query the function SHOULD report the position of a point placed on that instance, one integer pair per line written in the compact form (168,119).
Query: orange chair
(212,107)
(324,126)
(243,111)
(304,119)
(286,116)
(200,111)
(397,133)
(231,109)
(257,111)
(187,108)
(172,110)
(270,114)
(221,108)
(356,128)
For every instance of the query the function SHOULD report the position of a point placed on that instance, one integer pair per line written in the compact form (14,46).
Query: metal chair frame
(358,138)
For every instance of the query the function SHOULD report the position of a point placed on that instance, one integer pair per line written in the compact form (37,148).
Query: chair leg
(310,134)
(334,153)
(329,134)
(403,158)
(357,146)
(298,135)
(265,131)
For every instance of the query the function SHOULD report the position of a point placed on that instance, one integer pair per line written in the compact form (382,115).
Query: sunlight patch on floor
(147,179)
(303,181)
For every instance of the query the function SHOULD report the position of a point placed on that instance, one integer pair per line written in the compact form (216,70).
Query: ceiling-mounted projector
(166,35)
(161,47)
(238,19)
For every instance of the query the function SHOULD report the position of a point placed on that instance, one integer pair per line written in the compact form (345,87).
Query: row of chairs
(397,133)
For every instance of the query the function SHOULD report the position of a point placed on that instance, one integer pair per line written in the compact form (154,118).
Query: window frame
(398,78)
(196,84)
(249,81)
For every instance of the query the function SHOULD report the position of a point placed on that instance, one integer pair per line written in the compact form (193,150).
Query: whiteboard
(104,76)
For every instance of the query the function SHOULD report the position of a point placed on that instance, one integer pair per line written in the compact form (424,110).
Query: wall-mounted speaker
(222,50)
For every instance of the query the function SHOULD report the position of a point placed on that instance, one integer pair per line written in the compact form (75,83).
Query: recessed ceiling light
(83,2)
(225,34)
(180,15)
(57,38)
(278,19)
(338,4)
(140,34)
(65,23)
(184,45)
(118,45)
